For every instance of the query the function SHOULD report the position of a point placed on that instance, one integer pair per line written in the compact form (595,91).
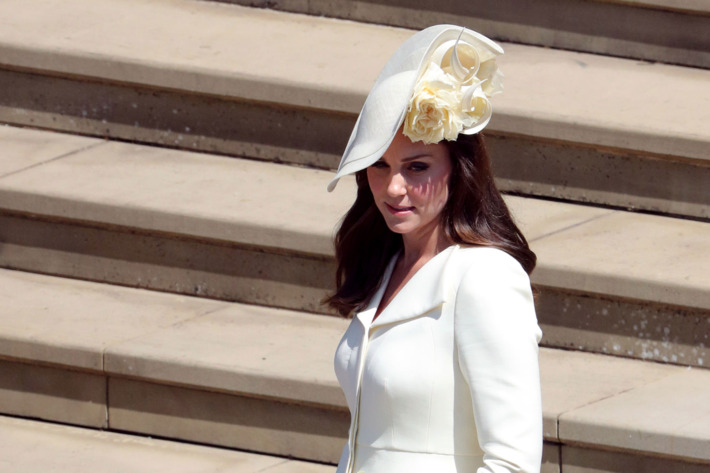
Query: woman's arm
(496,337)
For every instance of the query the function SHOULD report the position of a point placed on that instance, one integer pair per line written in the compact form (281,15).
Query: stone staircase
(189,156)
(29,446)
(287,88)
(671,31)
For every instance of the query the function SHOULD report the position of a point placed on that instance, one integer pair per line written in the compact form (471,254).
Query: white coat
(446,378)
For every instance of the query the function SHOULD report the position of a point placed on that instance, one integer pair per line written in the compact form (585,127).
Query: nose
(396,185)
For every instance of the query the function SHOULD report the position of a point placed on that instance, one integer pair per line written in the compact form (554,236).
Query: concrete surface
(569,171)
(539,219)
(225,374)
(25,148)
(637,256)
(167,262)
(170,191)
(168,338)
(316,138)
(699,6)
(52,393)
(622,327)
(636,420)
(251,349)
(610,281)
(231,420)
(262,379)
(585,460)
(281,209)
(559,131)
(174,118)
(572,380)
(664,30)
(302,61)
(550,458)
(30,447)
(68,333)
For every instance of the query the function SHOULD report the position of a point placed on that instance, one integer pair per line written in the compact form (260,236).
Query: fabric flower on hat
(451,96)
(435,111)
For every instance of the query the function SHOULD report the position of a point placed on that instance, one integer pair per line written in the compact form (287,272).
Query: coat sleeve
(497,341)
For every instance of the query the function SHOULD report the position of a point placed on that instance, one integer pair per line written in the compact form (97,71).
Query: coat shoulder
(485,260)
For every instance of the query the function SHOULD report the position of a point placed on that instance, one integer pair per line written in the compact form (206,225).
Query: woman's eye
(379,165)
(418,167)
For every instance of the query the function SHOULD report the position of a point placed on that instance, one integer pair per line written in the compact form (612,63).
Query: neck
(420,248)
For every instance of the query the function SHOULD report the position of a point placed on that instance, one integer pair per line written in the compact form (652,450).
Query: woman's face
(410,185)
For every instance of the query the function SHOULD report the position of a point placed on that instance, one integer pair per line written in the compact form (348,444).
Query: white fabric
(386,105)
(446,378)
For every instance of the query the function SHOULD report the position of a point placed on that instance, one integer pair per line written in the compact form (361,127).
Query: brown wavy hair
(474,215)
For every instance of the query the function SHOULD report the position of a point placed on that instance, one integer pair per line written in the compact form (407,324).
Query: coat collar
(423,292)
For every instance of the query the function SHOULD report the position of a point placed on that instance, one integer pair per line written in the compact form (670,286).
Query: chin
(401,228)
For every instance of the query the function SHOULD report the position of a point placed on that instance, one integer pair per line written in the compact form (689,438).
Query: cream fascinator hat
(437,84)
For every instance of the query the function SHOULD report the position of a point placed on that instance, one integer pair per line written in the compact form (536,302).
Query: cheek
(374,181)
(440,197)
(433,191)
(441,186)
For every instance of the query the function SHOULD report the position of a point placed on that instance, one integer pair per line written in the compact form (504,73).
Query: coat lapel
(366,315)
(425,291)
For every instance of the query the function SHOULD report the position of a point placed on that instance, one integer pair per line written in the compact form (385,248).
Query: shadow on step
(229,420)
(166,262)
(629,328)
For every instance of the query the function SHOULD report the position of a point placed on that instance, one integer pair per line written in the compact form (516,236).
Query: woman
(439,364)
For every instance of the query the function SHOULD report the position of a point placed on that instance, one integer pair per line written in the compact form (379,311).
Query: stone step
(286,87)
(671,31)
(29,446)
(261,379)
(609,281)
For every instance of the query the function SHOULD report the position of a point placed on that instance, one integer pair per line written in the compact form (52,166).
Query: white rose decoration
(451,97)
(435,113)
